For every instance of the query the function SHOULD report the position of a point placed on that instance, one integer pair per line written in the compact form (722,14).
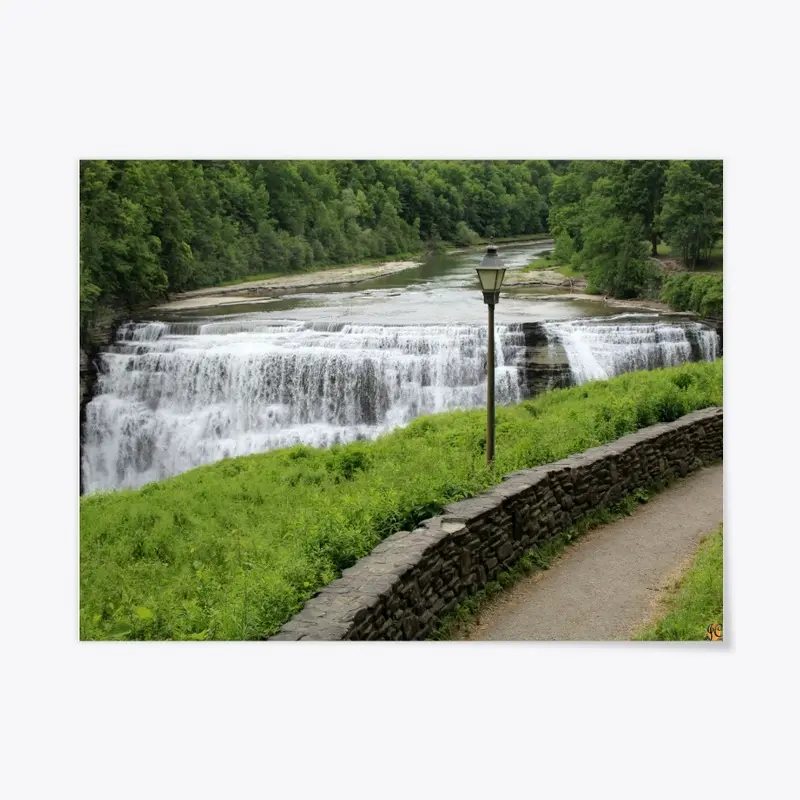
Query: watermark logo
(714,632)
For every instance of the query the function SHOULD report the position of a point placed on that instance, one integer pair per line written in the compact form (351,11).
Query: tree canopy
(603,214)
(149,228)
(153,227)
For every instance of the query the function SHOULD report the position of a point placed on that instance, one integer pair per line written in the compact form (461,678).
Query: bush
(464,235)
(564,249)
(233,549)
(689,291)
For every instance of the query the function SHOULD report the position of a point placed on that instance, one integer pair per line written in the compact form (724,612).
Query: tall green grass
(233,549)
(695,602)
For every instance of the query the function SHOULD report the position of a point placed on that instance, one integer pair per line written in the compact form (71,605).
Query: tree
(691,216)
(640,187)
(614,248)
(153,227)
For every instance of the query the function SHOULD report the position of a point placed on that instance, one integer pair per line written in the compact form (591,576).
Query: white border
(347,79)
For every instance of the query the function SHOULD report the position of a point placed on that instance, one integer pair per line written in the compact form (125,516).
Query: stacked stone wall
(413,578)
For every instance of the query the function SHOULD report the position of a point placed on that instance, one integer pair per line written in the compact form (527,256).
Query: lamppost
(490,273)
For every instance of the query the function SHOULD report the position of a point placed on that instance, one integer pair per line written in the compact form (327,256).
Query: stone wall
(409,581)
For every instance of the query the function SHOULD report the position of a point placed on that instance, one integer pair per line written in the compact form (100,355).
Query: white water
(601,348)
(174,396)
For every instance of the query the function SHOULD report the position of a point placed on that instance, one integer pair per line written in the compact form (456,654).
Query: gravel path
(605,586)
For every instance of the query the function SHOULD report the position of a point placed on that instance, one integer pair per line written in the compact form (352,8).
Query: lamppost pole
(490,274)
(490,390)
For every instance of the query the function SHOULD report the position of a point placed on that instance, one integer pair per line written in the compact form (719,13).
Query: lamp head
(490,274)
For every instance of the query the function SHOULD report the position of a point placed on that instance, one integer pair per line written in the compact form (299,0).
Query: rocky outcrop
(545,364)
(716,324)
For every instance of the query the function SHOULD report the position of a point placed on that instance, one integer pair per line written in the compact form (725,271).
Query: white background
(412,79)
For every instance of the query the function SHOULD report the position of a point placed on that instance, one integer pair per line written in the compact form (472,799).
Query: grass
(233,549)
(548,262)
(542,262)
(695,602)
(458,623)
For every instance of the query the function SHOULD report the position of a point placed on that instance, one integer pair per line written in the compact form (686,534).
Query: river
(350,362)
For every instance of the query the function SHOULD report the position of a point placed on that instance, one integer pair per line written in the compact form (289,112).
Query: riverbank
(537,239)
(683,292)
(542,277)
(654,306)
(245,291)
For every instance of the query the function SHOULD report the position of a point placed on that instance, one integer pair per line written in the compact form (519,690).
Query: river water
(347,363)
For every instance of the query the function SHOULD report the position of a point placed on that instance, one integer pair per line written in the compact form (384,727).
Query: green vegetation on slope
(549,261)
(696,601)
(544,261)
(233,549)
(687,291)
(713,263)
(606,215)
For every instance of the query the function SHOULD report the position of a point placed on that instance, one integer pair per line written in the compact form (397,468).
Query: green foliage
(696,601)
(464,235)
(153,227)
(691,217)
(639,193)
(564,249)
(605,215)
(233,549)
(701,293)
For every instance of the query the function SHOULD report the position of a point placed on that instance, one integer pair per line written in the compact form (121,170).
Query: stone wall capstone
(412,579)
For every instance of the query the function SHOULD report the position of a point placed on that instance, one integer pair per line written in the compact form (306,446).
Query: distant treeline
(153,227)
(149,228)
(603,214)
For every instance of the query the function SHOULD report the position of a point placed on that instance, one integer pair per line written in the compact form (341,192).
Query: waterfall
(603,347)
(173,396)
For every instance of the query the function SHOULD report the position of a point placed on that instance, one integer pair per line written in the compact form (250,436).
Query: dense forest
(153,227)
(608,217)
(150,228)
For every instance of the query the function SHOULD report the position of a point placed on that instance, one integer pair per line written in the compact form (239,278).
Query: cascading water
(173,396)
(603,347)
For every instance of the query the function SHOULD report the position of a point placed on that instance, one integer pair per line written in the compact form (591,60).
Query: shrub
(564,249)
(464,235)
(689,291)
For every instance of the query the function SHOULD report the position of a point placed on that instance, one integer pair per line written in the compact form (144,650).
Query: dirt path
(608,584)
(273,287)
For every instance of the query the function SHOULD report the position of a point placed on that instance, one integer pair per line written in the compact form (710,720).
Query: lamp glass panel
(491,279)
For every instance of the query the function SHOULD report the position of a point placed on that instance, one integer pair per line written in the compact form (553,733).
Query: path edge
(413,579)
